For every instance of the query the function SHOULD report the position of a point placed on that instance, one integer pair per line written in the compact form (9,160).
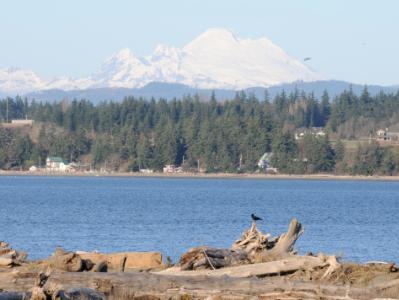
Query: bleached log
(289,264)
(144,283)
(6,262)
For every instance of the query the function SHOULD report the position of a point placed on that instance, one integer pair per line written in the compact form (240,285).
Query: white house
(54,163)
(387,135)
(315,131)
(172,169)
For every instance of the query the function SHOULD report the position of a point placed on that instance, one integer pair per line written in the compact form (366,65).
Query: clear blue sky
(351,40)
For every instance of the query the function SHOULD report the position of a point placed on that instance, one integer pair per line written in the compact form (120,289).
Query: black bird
(307,58)
(255,218)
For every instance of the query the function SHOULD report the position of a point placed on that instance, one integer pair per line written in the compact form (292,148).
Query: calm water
(357,219)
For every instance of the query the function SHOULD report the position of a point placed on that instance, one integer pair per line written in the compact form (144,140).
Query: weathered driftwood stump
(261,248)
(252,247)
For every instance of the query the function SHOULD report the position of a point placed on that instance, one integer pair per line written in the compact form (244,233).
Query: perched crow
(255,218)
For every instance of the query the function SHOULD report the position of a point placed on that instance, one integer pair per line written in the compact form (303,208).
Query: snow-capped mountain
(15,80)
(217,59)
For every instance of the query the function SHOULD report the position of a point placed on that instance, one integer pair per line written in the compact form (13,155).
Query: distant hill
(172,90)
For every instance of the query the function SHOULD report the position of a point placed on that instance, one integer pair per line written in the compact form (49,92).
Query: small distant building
(172,169)
(57,164)
(18,123)
(385,135)
(23,122)
(146,171)
(264,163)
(315,131)
(33,169)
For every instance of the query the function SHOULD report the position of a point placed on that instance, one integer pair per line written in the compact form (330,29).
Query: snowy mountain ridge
(217,59)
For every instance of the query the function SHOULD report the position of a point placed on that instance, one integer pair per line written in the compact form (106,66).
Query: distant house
(172,169)
(18,123)
(33,169)
(315,131)
(55,163)
(22,122)
(385,135)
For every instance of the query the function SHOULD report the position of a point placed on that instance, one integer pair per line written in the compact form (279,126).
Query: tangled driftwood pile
(252,247)
(254,254)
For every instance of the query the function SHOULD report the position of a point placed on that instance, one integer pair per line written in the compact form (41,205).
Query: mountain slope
(217,59)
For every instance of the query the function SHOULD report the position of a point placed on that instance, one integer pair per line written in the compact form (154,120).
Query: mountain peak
(123,54)
(213,36)
(216,59)
(218,33)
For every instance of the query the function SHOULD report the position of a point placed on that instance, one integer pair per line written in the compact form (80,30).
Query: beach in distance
(319,176)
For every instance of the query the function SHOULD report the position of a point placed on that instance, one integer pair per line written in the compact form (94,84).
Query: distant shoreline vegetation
(349,134)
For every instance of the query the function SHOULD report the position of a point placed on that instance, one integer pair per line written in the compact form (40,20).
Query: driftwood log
(157,286)
(66,261)
(73,262)
(10,257)
(211,258)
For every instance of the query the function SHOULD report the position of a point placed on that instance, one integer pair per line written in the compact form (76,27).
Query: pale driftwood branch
(333,265)
(207,258)
(287,265)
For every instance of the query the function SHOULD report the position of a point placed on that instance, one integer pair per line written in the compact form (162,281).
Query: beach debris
(252,247)
(65,261)
(205,257)
(121,261)
(284,266)
(262,247)
(10,257)
(103,262)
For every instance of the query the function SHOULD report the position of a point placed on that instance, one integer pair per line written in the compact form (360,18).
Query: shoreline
(203,175)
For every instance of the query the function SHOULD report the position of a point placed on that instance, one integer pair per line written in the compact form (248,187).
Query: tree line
(216,135)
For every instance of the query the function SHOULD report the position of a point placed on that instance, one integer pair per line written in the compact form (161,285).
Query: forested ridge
(216,135)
